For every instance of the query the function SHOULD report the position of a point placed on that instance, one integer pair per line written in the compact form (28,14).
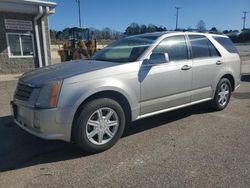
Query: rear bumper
(49,124)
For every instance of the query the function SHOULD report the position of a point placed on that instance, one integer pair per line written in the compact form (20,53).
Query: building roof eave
(32,2)
(25,6)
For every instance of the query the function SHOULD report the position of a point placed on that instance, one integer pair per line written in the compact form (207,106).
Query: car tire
(222,95)
(99,126)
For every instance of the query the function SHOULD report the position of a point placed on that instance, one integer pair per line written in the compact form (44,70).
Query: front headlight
(48,96)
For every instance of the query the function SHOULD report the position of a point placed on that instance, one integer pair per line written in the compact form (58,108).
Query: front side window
(20,45)
(202,47)
(175,46)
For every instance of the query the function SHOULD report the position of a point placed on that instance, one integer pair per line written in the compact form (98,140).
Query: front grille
(23,92)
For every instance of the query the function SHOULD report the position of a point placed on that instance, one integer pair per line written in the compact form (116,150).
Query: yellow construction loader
(78,46)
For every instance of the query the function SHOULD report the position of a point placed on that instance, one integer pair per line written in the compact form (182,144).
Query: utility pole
(79,12)
(177,17)
(244,19)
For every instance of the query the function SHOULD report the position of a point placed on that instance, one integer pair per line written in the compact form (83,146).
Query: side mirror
(158,58)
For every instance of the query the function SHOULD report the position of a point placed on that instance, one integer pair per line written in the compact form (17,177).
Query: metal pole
(177,17)
(79,13)
(244,19)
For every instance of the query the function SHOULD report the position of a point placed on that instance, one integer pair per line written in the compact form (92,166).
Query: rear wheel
(222,95)
(100,125)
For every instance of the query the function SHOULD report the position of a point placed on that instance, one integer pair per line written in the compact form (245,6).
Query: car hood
(64,70)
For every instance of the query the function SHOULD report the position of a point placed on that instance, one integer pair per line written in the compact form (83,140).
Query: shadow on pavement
(245,95)
(19,149)
(165,118)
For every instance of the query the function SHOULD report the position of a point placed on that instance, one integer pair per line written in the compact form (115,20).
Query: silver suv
(90,102)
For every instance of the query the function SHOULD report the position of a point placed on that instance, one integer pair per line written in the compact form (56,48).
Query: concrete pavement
(191,147)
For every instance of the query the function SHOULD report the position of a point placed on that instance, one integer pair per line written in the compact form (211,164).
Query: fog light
(36,120)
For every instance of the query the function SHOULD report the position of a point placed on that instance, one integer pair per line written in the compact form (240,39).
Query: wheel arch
(231,79)
(111,94)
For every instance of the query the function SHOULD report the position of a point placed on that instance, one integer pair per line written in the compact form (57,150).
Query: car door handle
(186,67)
(219,62)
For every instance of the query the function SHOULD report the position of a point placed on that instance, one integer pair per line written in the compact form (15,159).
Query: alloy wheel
(223,94)
(102,126)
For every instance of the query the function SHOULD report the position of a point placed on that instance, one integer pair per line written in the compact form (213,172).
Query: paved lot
(191,147)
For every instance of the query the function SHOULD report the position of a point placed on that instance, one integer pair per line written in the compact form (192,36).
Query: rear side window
(226,43)
(213,51)
(202,47)
(175,46)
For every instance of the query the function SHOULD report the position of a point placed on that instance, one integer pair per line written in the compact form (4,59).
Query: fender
(82,91)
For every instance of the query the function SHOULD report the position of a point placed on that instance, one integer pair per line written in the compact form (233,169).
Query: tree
(233,37)
(161,29)
(106,33)
(133,29)
(136,28)
(190,29)
(214,30)
(59,35)
(66,33)
(116,35)
(52,35)
(143,28)
(128,31)
(151,28)
(201,26)
(96,33)
(225,31)
(244,36)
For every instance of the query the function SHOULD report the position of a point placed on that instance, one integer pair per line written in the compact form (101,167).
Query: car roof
(159,34)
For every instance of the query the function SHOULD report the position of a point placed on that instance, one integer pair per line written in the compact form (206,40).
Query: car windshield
(125,50)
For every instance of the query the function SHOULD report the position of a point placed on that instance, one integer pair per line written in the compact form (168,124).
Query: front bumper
(49,124)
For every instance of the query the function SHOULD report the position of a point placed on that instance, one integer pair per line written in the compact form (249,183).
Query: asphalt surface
(191,147)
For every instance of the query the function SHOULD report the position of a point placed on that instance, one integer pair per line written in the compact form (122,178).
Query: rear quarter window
(202,47)
(226,43)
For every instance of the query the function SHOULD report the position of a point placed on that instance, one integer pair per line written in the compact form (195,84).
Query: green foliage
(244,36)
(214,30)
(236,37)
(135,29)
(233,37)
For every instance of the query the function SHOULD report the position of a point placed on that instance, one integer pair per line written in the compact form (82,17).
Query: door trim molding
(172,108)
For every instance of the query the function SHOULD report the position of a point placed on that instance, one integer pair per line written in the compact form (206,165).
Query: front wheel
(222,94)
(100,125)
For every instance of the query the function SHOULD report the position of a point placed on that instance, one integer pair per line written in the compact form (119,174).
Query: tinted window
(213,51)
(226,43)
(175,46)
(200,46)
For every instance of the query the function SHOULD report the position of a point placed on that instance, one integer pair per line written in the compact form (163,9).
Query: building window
(20,45)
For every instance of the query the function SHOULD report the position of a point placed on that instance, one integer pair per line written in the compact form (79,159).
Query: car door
(168,84)
(207,63)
